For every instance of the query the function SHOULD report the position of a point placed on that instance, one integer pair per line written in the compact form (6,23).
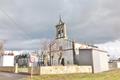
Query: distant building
(114,64)
(10,58)
(7,60)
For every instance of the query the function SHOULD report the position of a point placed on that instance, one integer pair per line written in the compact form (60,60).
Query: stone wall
(51,69)
(36,70)
(7,69)
(62,70)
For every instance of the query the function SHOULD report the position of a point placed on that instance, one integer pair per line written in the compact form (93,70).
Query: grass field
(110,75)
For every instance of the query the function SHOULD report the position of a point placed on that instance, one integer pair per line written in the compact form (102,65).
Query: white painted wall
(6,60)
(96,62)
(100,61)
(118,64)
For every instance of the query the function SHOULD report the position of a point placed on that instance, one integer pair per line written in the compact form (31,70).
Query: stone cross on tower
(61,30)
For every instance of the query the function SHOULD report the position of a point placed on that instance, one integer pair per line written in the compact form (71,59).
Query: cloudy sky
(24,24)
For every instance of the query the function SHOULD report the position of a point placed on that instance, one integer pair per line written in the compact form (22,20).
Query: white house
(114,64)
(97,58)
(6,60)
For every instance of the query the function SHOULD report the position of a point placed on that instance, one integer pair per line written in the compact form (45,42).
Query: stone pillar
(39,70)
(16,68)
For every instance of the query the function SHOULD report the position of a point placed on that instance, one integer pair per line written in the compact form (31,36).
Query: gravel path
(11,76)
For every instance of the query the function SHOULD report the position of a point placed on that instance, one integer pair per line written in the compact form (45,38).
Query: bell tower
(61,30)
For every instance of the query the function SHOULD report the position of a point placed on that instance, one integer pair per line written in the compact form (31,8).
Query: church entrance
(62,62)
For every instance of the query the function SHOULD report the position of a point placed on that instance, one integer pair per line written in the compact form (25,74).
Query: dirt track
(11,76)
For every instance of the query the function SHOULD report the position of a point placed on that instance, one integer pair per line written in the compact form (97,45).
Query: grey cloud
(32,44)
(95,21)
(102,25)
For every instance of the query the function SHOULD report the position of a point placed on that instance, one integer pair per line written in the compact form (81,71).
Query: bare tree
(44,51)
(1,47)
(51,50)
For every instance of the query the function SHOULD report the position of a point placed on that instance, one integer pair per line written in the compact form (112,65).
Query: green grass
(110,75)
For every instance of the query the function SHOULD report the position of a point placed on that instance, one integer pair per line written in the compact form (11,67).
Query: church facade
(63,51)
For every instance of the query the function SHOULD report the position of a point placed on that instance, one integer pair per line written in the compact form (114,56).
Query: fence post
(39,70)
(16,67)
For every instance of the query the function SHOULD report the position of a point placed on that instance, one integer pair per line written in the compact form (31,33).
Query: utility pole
(73,46)
(50,56)
(1,47)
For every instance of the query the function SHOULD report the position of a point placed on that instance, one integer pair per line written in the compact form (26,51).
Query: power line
(14,22)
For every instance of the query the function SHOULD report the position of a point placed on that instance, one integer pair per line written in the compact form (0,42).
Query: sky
(25,24)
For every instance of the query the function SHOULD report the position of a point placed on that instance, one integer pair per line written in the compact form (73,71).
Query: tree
(44,52)
(1,47)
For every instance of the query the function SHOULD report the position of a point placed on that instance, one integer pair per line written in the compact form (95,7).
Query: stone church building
(63,51)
